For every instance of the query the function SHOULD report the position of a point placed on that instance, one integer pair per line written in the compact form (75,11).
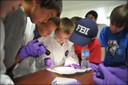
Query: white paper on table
(67,70)
(63,81)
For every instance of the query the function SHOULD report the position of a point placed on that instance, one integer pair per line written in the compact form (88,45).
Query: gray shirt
(15,24)
(2,37)
(4,79)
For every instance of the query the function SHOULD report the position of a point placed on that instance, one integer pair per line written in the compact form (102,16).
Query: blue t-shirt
(116,46)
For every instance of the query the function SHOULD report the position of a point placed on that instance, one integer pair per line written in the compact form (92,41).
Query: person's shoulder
(105,30)
(29,21)
(49,38)
(70,43)
(30,26)
(18,14)
(100,26)
(95,42)
(15,12)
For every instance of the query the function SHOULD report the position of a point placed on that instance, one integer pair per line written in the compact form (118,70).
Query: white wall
(80,8)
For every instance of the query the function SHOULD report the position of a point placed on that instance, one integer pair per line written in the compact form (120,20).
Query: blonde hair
(66,25)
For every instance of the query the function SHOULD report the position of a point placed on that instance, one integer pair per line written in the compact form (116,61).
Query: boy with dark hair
(39,11)
(114,40)
(39,31)
(92,15)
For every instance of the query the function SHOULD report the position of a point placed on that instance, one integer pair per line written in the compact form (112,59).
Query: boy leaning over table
(114,40)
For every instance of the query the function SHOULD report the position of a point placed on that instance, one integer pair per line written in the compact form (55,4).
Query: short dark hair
(56,20)
(119,16)
(52,4)
(92,12)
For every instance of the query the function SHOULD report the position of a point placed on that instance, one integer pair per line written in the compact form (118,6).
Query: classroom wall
(80,8)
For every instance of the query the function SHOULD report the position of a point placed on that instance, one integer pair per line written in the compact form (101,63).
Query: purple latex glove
(93,66)
(122,73)
(48,62)
(75,66)
(33,49)
(108,78)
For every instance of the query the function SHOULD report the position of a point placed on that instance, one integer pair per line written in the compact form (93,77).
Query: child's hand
(33,49)
(107,77)
(93,66)
(75,66)
(48,62)
(119,72)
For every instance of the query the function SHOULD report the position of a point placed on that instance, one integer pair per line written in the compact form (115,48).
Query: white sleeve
(72,57)
(5,80)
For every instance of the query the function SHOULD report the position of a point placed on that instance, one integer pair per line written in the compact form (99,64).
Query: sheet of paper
(64,81)
(67,70)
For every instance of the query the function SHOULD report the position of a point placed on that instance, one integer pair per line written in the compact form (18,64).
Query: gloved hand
(48,62)
(33,48)
(122,73)
(93,66)
(75,66)
(108,77)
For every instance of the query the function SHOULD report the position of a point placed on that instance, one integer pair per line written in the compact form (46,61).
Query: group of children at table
(66,43)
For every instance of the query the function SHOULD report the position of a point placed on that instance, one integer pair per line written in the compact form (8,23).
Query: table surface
(46,77)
